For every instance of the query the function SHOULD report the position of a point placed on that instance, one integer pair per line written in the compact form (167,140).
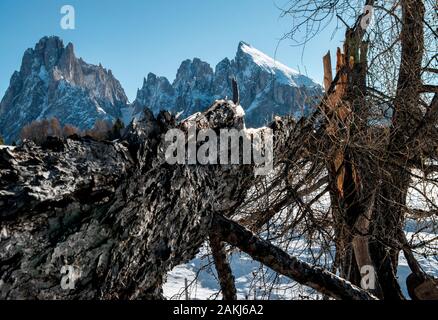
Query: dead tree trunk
(225,274)
(82,219)
(407,117)
(352,186)
(114,215)
(368,192)
(279,261)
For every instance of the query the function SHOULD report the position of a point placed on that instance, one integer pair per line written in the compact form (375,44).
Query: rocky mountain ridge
(53,82)
(267,87)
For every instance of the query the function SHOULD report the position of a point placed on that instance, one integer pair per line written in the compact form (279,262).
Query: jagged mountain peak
(49,45)
(46,53)
(52,82)
(151,78)
(192,70)
(243,43)
(156,92)
(267,87)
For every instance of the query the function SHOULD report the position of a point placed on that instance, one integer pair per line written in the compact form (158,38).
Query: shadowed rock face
(116,212)
(156,91)
(52,82)
(267,88)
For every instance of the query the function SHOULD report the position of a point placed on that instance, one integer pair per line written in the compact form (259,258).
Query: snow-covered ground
(7,147)
(428,259)
(251,276)
(253,281)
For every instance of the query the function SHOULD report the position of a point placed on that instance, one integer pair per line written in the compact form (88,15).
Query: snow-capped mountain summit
(52,82)
(282,72)
(270,88)
(267,87)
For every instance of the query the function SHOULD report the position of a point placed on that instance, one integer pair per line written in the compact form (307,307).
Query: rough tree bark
(389,214)
(225,274)
(368,195)
(116,211)
(119,214)
(317,278)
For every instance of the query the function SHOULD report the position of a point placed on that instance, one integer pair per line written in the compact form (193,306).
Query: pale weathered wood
(328,75)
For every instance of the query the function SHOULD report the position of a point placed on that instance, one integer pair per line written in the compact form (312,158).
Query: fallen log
(281,262)
(82,219)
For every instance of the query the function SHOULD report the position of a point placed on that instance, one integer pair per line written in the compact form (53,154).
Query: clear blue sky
(135,37)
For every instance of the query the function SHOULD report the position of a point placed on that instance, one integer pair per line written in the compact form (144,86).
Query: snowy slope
(283,73)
